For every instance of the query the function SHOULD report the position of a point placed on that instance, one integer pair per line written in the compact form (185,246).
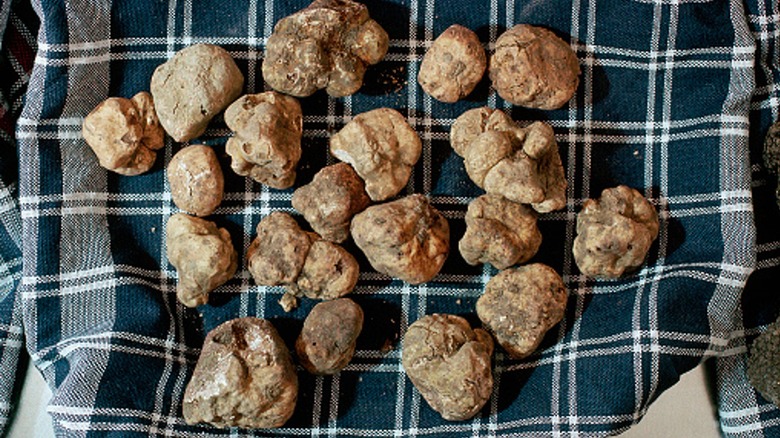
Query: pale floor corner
(685,410)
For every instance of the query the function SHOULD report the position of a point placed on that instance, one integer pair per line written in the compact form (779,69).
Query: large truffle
(381,147)
(763,367)
(283,254)
(124,133)
(453,65)
(328,203)
(329,336)
(520,164)
(244,378)
(614,233)
(192,87)
(266,144)
(500,232)
(197,183)
(534,68)
(520,305)
(772,155)
(326,45)
(203,255)
(449,363)
(407,238)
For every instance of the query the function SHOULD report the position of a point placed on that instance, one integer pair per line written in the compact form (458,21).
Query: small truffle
(381,147)
(326,45)
(532,67)
(202,254)
(520,164)
(124,133)
(520,305)
(772,155)
(197,184)
(267,142)
(453,65)
(614,233)
(192,87)
(500,232)
(283,254)
(328,203)
(449,363)
(407,238)
(329,336)
(244,378)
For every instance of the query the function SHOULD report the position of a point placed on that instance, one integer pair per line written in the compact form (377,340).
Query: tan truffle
(532,67)
(328,203)
(381,147)
(326,45)
(449,363)
(266,145)
(407,238)
(520,164)
(520,305)
(500,232)
(192,87)
(244,378)
(614,233)
(453,66)
(203,255)
(196,180)
(329,336)
(124,133)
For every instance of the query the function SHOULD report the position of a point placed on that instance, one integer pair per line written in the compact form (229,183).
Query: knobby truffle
(202,254)
(266,145)
(772,155)
(192,87)
(614,233)
(244,378)
(453,65)
(329,336)
(500,232)
(520,164)
(407,238)
(124,133)
(449,363)
(196,180)
(520,305)
(326,45)
(763,368)
(534,68)
(381,147)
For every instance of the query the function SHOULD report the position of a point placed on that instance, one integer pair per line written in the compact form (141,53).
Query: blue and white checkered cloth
(674,100)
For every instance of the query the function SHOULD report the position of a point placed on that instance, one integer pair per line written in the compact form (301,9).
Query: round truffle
(453,65)
(614,233)
(196,180)
(763,367)
(407,238)
(449,363)
(329,336)
(520,305)
(532,67)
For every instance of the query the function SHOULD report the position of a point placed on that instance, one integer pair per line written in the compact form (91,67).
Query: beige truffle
(244,378)
(196,180)
(328,203)
(124,133)
(449,363)
(192,87)
(203,255)
(329,336)
(453,66)
(326,45)
(381,147)
(532,67)
(520,164)
(614,233)
(500,232)
(407,238)
(520,305)
(283,254)
(266,145)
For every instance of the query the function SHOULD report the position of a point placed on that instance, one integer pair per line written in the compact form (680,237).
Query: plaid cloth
(674,100)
